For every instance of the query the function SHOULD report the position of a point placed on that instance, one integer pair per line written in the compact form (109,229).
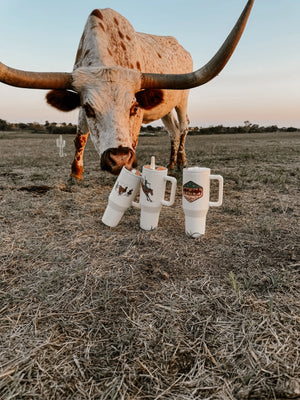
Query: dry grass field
(91,312)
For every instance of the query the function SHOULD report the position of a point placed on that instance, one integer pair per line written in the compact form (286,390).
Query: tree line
(35,127)
(221,129)
(64,128)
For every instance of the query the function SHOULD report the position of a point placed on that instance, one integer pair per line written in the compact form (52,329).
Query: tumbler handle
(134,203)
(173,191)
(220,199)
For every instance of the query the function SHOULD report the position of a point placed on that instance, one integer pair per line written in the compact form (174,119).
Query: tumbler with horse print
(152,194)
(195,198)
(121,197)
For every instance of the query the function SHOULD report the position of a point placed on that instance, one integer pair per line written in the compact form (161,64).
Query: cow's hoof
(74,180)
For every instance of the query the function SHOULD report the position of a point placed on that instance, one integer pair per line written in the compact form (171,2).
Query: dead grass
(88,312)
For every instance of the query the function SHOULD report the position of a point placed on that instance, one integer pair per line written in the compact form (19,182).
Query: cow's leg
(171,126)
(80,142)
(184,128)
(77,165)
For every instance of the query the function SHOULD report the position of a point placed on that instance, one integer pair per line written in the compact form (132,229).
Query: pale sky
(261,82)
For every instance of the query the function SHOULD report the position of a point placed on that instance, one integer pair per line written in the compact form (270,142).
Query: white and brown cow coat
(109,40)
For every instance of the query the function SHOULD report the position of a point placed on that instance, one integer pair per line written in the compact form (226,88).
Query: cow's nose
(120,158)
(113,160)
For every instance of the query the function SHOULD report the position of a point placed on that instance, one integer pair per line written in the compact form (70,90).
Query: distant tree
(150,128)
(22,126)
(247,126)
(272,128)
(291,129)
(4,126)
(50,127)
(53,128)
(254,128)
(36,127)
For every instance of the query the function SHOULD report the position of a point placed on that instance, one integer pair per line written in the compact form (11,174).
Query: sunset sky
(261,82)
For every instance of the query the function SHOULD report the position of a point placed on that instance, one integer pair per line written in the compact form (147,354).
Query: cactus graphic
(60,143)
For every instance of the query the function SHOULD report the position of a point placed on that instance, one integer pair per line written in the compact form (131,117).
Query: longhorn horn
(35,80)
(208,71)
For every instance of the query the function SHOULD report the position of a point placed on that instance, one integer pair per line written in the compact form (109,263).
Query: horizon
(156,124)
(259,84)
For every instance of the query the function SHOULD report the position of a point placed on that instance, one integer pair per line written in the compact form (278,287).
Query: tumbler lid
(157,168)
(196,169)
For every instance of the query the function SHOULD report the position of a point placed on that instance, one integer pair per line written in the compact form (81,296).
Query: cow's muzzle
(113,160)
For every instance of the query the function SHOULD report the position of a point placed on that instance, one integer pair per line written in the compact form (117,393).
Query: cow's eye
(134,109)
(90,113)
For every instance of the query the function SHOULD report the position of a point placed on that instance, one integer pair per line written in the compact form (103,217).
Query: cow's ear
(63,100)
(149,98)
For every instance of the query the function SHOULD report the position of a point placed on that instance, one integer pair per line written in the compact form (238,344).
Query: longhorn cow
(121,79)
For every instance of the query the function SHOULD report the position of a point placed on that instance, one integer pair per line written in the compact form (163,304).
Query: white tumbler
(121,197)
(195,198)
(152,195)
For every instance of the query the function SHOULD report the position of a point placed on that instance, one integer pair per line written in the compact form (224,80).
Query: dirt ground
(91,312)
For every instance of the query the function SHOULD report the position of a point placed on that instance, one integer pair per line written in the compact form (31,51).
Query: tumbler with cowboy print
(195,198)
(152,194)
